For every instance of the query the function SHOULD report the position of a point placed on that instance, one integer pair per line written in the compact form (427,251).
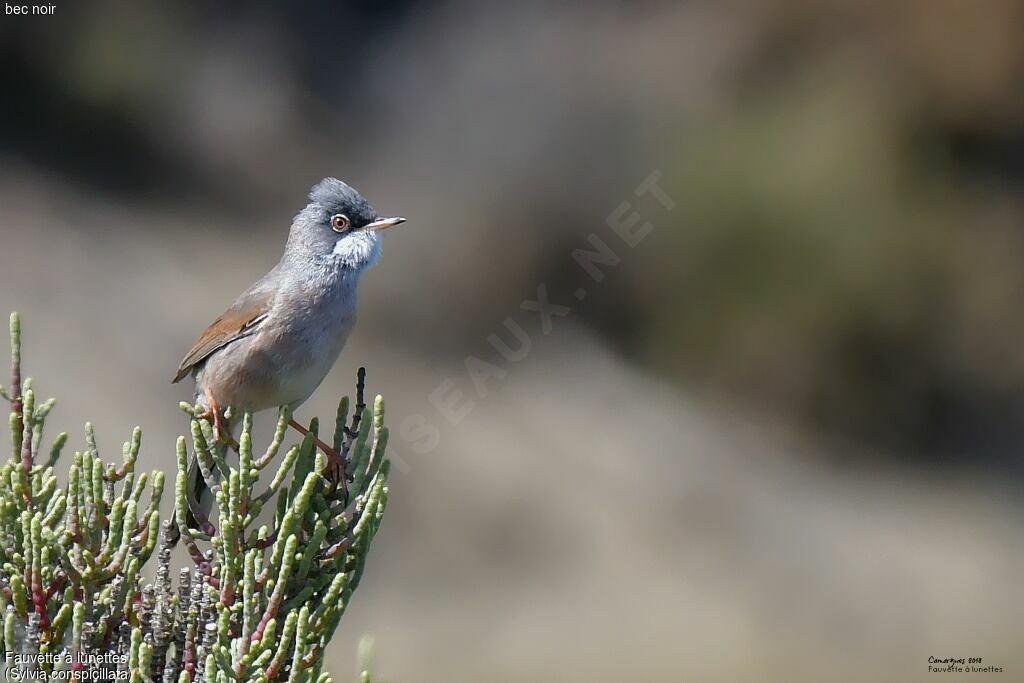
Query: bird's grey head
(340,226)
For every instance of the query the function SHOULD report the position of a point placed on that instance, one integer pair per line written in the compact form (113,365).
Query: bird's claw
(335,468)
(213,414)
(335,473)
(213,417)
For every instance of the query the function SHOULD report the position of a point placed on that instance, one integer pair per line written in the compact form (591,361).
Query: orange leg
(335,463)
(220,429)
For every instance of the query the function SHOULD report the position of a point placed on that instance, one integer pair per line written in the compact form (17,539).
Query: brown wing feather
(239,321)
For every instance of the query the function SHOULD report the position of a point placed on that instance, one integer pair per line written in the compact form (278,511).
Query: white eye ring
(340,222)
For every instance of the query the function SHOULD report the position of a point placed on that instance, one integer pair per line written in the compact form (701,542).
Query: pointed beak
(384,223)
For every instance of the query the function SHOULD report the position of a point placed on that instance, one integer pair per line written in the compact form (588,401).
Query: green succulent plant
(270,577)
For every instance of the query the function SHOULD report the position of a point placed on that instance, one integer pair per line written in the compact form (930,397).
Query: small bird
(276,343)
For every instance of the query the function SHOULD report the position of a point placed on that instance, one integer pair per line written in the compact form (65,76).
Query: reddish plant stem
(313,655)
(264,543)
(227,594)
(336,549)
(118,474)
(58,584)
(273,605)
(39,599)
(273,670)
(26,446)
(188,662)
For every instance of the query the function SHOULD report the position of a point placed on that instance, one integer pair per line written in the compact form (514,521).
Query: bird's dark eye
(340,222)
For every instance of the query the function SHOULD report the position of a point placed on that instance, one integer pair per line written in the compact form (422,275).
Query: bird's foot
(335,470)
(221,431)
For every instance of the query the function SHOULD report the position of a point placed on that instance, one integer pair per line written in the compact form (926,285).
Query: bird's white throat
(358,250)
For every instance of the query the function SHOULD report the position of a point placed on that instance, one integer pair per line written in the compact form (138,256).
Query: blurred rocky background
(781,440)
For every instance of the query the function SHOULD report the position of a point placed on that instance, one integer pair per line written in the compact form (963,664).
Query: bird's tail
(200,499)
